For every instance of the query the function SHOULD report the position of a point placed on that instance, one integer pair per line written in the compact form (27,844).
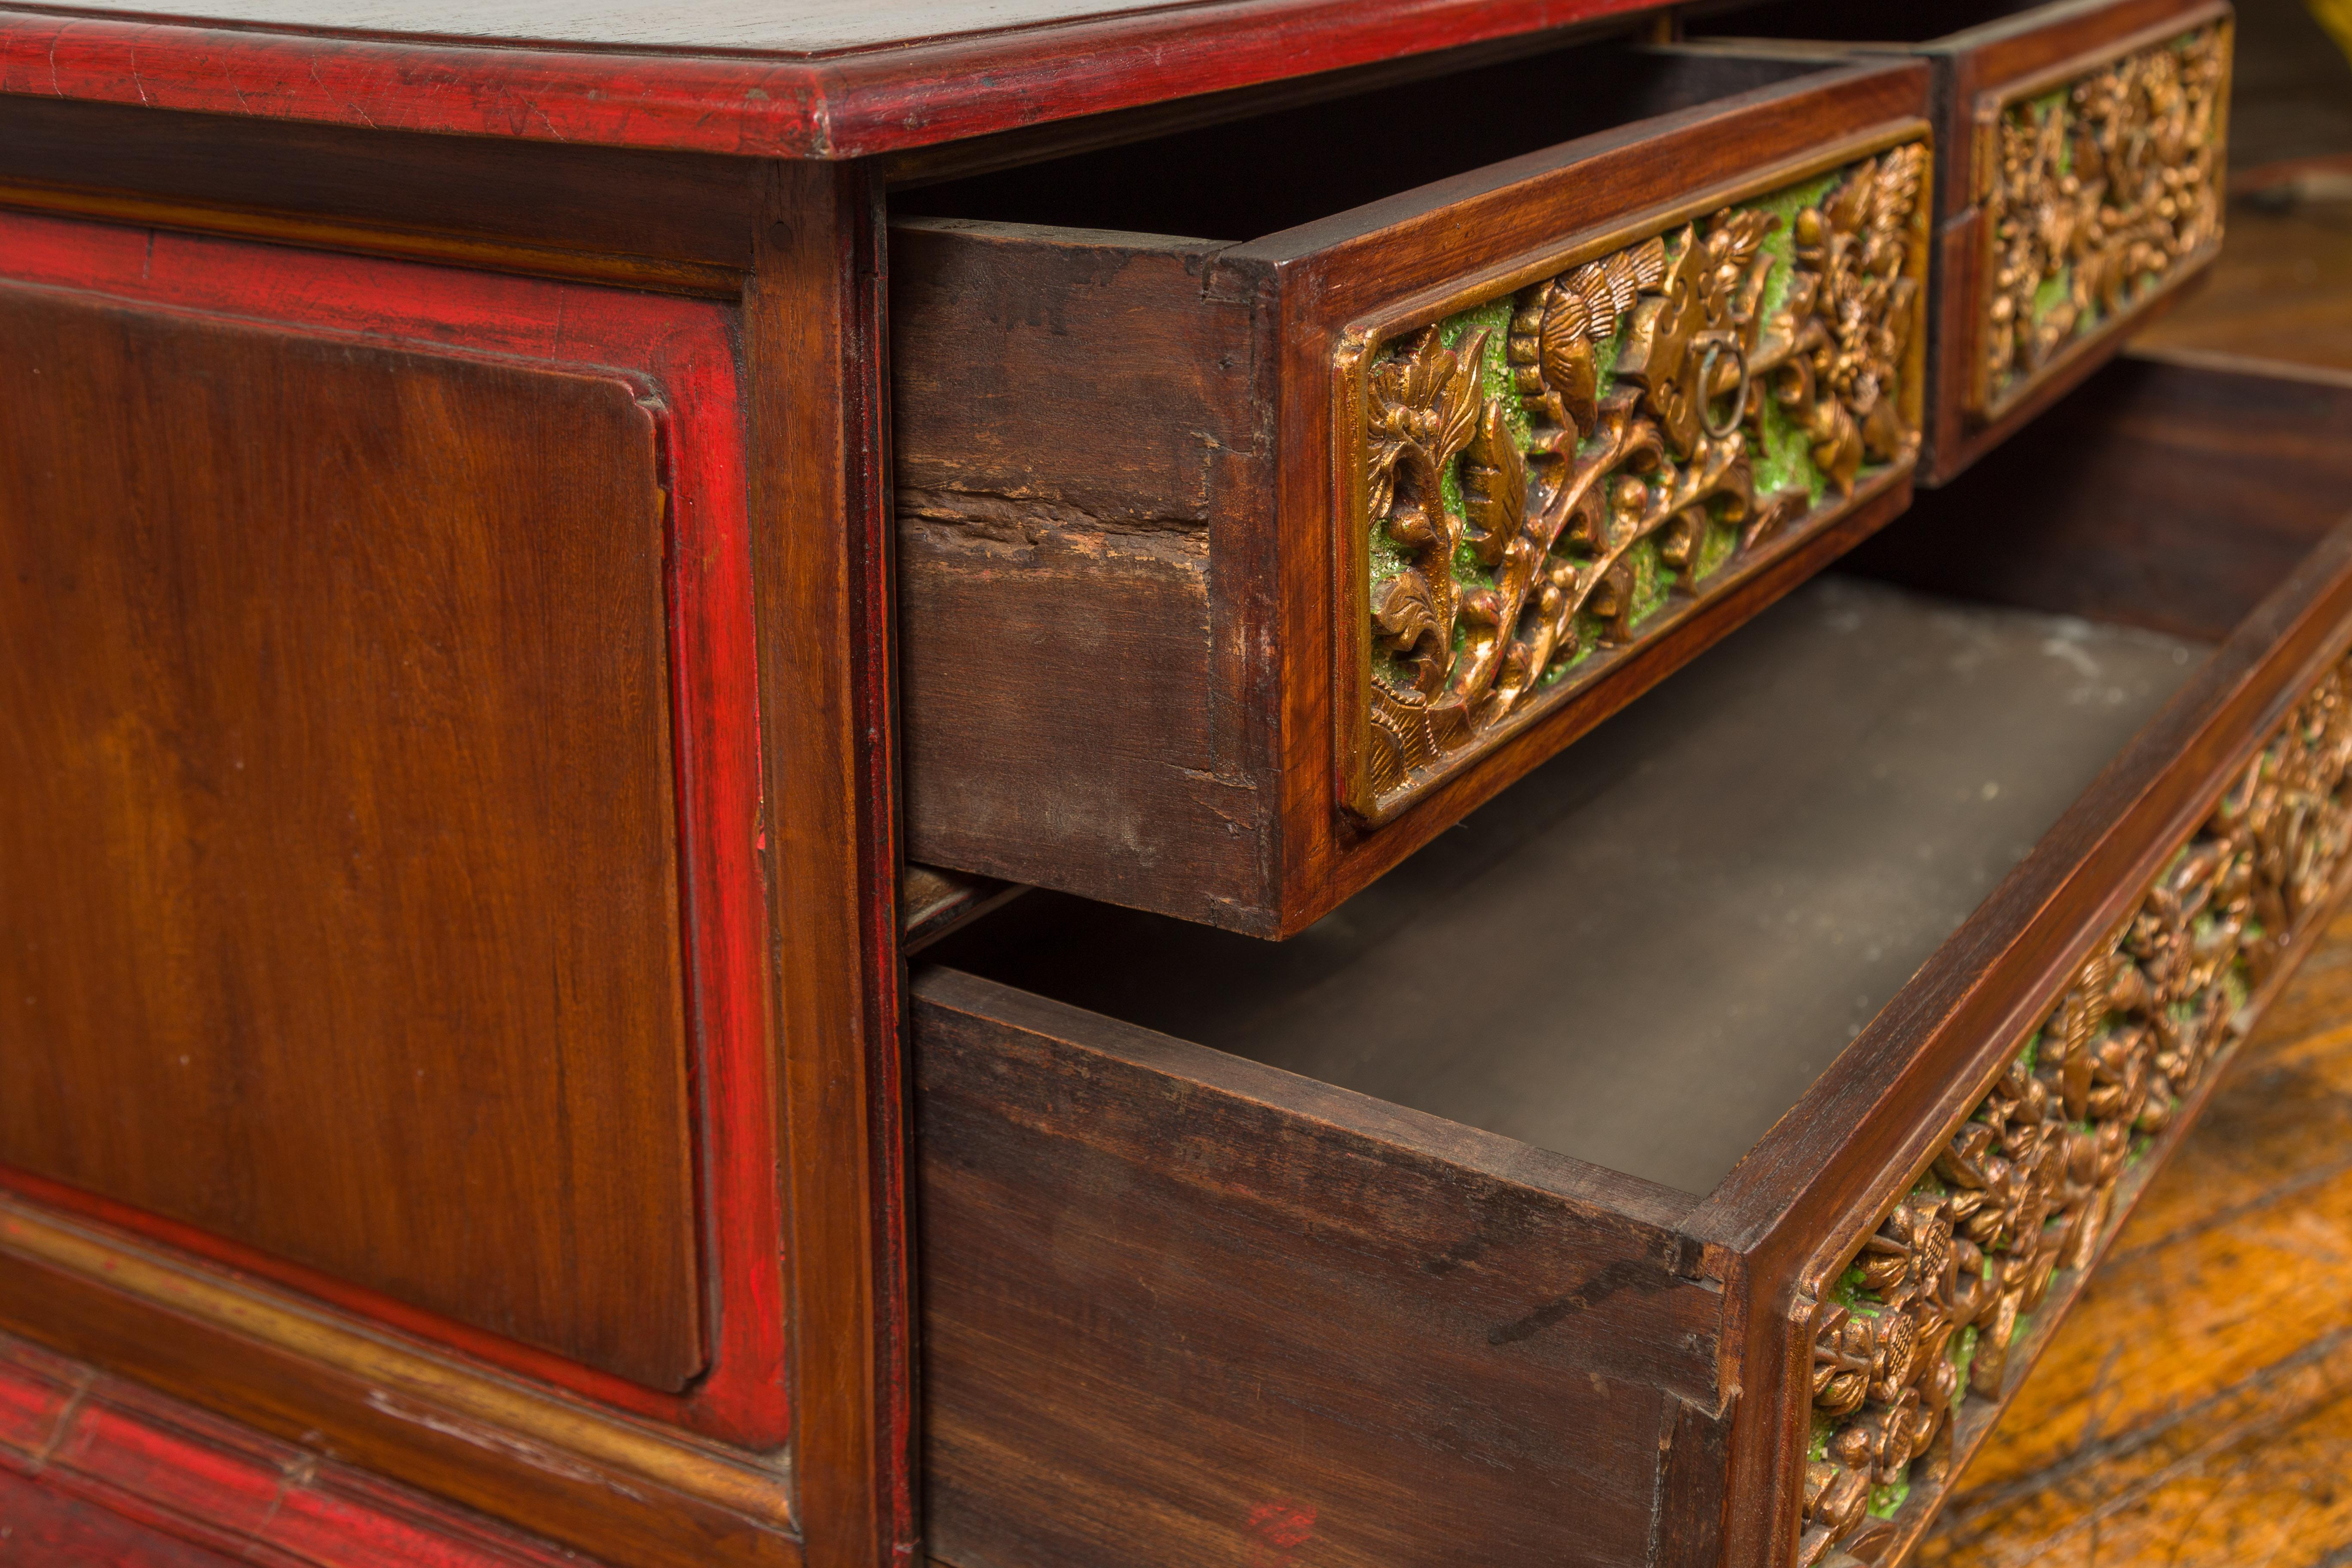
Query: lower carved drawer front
(2079,183)
(1680,1161)
(1913,1330)
(1233,570)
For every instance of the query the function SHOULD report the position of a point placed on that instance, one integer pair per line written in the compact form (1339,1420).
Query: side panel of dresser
(774,600)
(304,771)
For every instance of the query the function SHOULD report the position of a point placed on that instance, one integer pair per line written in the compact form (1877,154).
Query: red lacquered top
(817,79)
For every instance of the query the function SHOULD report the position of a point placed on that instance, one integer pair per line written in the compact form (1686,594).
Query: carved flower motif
(1613,471)
(2025,1187)
(2099,192)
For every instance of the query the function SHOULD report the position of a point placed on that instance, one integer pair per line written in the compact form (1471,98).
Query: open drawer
(1680,1161)
(1234,569)
(2080,179)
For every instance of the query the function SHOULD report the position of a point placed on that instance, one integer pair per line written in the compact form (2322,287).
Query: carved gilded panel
(2095,194)
(1547,474)
(1920,1320)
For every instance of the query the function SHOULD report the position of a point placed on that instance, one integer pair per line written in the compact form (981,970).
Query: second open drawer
(1233,569)
(1680,1162)
(2080,178)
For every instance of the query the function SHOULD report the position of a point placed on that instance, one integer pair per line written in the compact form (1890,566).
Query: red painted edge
(844,105)
(110,1453)
(683,355)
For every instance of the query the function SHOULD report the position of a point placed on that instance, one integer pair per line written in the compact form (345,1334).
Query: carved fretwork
(2095,195)
(1544,473)
(1923,1316)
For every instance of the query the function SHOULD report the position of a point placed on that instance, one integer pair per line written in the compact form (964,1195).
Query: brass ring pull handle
(1706,379)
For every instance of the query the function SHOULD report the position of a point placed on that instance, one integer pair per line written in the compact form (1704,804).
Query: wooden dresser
(1075,785)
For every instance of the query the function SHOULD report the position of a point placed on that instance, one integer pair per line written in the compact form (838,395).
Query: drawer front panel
(1915,1330)
(1548,477)
(2097,192)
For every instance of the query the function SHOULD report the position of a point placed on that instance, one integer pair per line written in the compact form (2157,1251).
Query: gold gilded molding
(1920,1319)
(1544,472)
(2096,197)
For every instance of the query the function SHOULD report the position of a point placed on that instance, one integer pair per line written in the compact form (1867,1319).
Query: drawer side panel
(1071,414)
(1179,1312)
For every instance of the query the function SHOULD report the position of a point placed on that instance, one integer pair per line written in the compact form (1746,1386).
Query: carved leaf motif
(1569,367)
(1631,490)
(1459,401)
(1407,611)
(1495,486)
(2025,1189)
(2095,198)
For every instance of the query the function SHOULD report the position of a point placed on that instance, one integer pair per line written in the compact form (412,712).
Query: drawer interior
(1642,955)
(1273,170)
(1863,21)
(1645,952)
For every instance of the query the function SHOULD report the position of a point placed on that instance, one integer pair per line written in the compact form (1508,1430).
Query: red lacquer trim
(684,352)
(845,105)
(95,1441)
(47,1526)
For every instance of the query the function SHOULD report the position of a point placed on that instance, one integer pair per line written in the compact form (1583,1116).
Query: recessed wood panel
(338,880)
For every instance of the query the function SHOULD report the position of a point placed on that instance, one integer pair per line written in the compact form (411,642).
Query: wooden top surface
(826,78)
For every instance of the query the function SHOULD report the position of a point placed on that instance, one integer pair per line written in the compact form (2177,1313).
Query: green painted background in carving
(1779,452)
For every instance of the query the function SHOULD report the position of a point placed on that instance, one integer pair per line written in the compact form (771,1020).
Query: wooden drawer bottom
(1681,1161)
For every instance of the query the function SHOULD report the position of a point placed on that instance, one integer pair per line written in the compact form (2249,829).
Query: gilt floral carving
(1923,1317)
(1545,473)
(2096,195)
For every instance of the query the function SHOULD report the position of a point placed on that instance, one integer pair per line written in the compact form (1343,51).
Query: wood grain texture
(46,1526)
(1071,412)
(94,1469)
(2197,1407)
(306,772)
(1181,1309)
(815,344)
(843,81)
(537,1438)
(664,220)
